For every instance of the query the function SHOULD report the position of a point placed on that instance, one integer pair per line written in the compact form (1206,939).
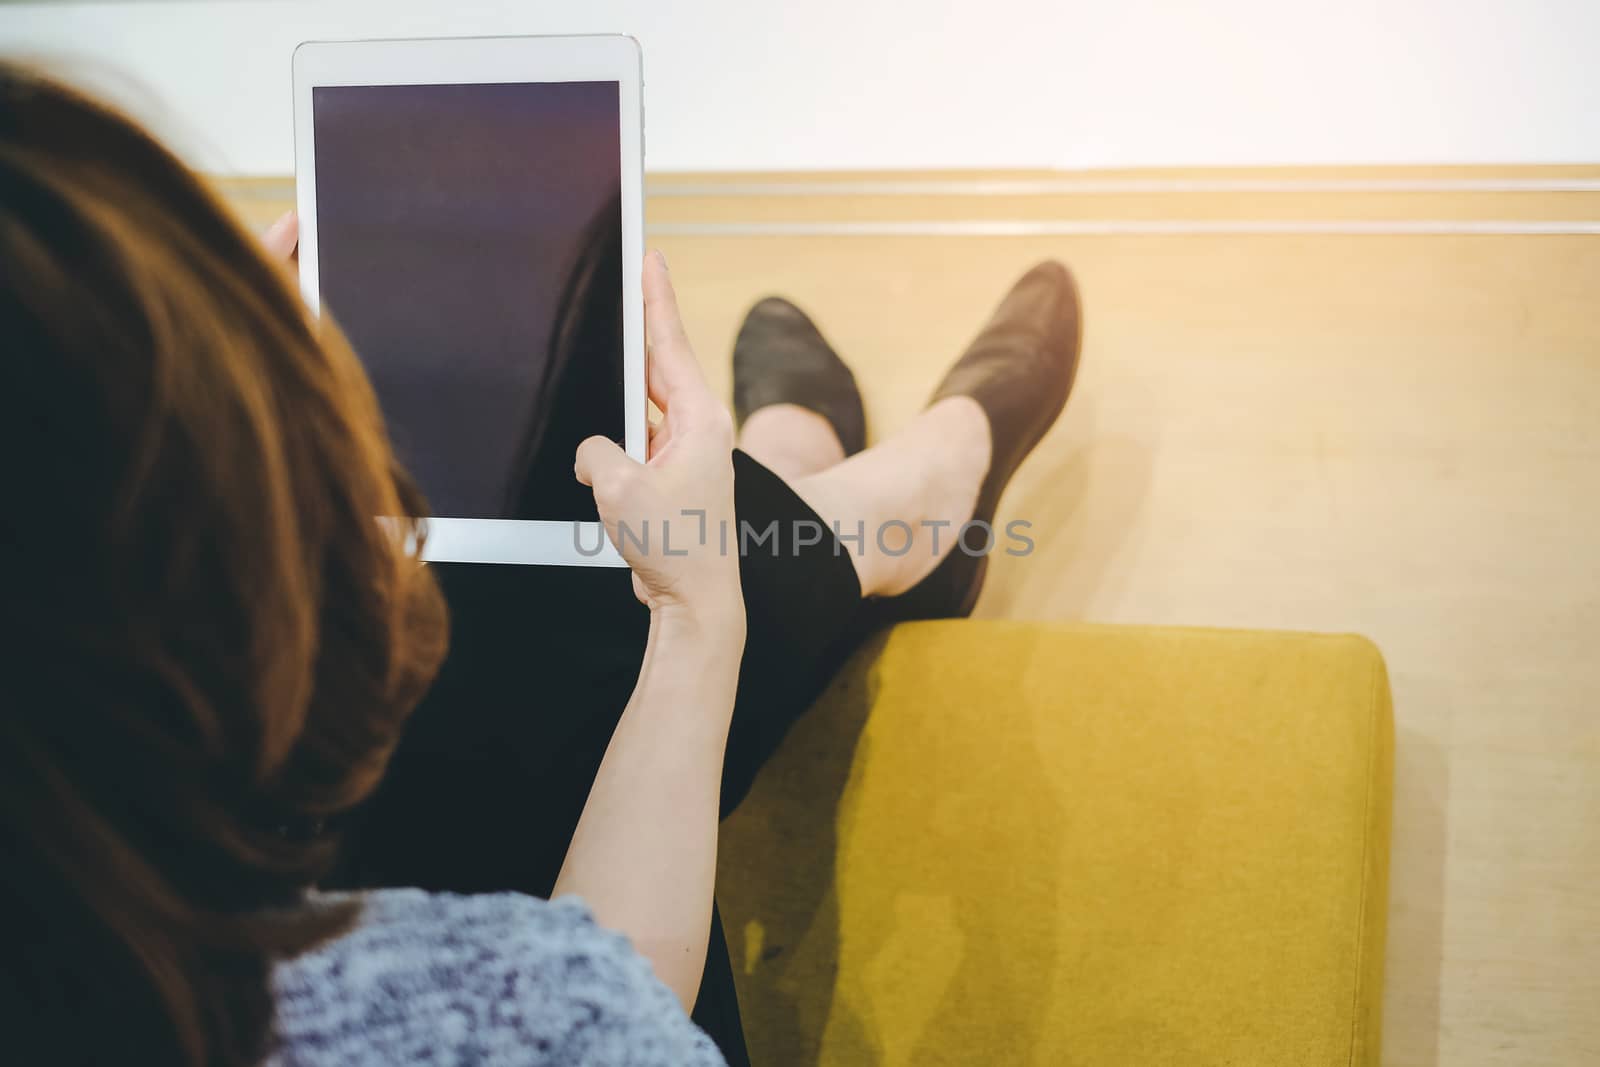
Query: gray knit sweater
(502,981)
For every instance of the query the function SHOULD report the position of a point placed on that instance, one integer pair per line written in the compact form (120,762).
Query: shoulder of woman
(500,978)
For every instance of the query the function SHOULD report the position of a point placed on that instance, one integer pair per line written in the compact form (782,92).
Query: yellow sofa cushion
(1017,843)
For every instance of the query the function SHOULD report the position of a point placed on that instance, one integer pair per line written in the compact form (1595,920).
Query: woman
(212,649)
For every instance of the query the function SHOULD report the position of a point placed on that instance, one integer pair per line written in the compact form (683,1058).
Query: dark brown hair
(209,644)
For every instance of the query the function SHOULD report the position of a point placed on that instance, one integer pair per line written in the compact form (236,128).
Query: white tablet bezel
(477,60)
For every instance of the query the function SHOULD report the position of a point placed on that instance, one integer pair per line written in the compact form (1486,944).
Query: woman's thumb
(282,236)
(599,460)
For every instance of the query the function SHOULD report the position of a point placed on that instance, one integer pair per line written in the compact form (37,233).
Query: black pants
(486,787)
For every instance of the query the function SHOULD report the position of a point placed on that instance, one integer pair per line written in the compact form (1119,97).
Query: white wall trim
(1119,186)
(252,189)
(1133,227)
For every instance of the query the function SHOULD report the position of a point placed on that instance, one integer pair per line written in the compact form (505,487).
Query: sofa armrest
(1004,842)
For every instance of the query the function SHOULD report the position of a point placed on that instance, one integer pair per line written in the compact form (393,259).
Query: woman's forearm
(644,854)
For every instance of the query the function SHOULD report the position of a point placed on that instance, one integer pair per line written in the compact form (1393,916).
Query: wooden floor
(1396,435)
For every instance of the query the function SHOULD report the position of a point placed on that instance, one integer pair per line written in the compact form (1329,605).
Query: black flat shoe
(1020,370)
(780,357)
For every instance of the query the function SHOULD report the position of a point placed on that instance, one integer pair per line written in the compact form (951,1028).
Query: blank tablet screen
(470,247)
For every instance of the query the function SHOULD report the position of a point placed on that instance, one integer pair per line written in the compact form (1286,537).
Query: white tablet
(471,216)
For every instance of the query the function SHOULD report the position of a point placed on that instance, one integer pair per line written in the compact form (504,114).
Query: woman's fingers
(673,372)
(660,437)
(283,236)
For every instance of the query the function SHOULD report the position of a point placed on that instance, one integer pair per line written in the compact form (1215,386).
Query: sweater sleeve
(499,979)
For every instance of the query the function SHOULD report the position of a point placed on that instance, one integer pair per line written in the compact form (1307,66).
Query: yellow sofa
(1015,843)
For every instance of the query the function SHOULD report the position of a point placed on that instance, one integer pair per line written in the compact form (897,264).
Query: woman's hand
(672,518)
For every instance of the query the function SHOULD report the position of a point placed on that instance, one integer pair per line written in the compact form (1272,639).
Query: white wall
(747,84)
